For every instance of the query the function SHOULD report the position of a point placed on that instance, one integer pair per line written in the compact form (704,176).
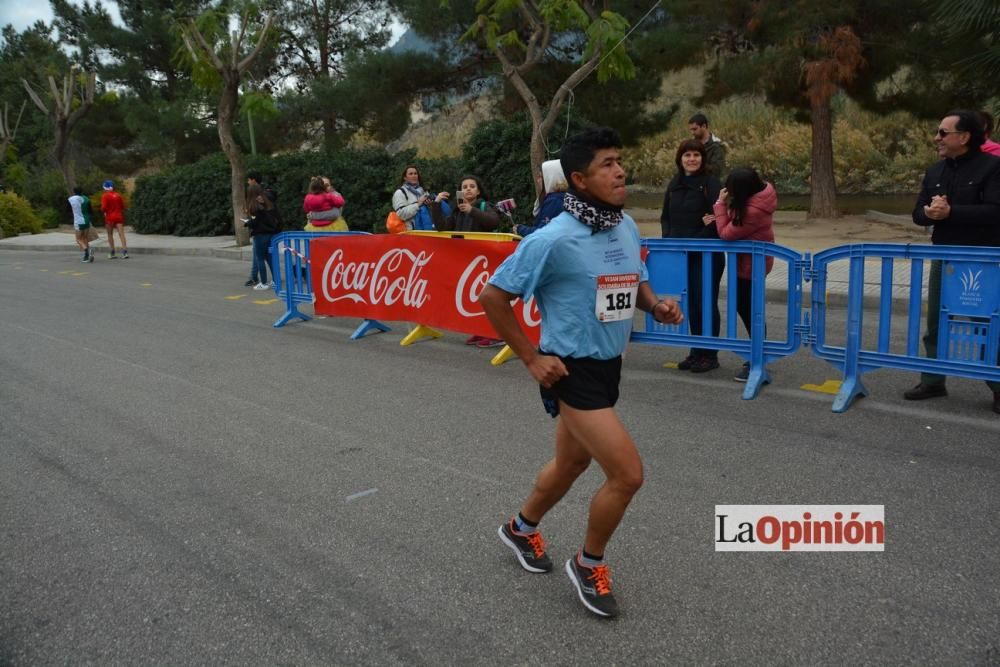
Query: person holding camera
(414,204)
(472,213)
(262,219)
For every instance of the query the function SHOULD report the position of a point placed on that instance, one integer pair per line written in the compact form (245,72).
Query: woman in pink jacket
(745,212)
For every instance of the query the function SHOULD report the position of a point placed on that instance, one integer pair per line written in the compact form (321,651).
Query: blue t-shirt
(559,265)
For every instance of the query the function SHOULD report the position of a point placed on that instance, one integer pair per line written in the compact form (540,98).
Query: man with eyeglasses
(960,197)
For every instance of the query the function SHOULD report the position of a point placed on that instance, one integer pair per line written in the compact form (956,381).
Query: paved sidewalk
(151,244)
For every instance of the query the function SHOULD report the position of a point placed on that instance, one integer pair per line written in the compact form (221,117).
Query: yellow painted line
(147,284)
(670,364)
(79,273)
(234,298)
(265,302)
(65,273)
(43,270)
(828,387)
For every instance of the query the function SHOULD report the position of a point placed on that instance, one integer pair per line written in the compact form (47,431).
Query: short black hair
(968,121)
(77,190)
(579,150)
(698,119)
(255,176)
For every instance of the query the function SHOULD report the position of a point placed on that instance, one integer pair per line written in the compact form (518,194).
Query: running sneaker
(124,254)
(86,258)
(271,285)
(593,585)
(250,283)
(112,255)
(91,260)
(473,340)
(260,287)
(490,342)
(529,549)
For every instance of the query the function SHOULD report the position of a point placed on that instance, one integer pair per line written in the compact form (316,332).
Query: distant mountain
(411,41)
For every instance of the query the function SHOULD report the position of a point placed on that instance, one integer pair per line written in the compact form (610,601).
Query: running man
(113,208)
(585,272)
(80,206)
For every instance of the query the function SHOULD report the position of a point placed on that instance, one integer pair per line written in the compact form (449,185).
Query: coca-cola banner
(430,281)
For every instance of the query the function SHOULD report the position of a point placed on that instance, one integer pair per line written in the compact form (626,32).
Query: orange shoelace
(537,543)
(601,578)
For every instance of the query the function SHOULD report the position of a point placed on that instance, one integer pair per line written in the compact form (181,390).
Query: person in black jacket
(471,213)
(687,213)
(960,197)
(262,218)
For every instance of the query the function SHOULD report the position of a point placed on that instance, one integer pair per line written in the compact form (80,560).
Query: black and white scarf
(598,217)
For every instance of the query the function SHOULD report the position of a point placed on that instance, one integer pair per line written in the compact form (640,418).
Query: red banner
(430,281)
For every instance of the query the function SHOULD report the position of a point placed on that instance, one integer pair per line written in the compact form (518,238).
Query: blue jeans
(261,258)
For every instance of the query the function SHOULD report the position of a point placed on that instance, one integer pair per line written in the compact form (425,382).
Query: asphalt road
(184,484)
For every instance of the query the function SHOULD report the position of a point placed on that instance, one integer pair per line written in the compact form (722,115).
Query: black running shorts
(592,384)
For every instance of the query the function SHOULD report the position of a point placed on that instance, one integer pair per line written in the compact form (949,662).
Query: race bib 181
(616,294)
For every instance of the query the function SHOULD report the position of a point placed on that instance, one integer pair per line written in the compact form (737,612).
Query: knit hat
(109,185)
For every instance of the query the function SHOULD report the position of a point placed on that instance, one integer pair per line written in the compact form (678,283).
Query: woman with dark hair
(745,212)
(264,224)
(472,213)
(687,214)
(414,204)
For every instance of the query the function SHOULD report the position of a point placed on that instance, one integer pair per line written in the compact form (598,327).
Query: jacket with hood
(551,205)
(715,157)
(757,225)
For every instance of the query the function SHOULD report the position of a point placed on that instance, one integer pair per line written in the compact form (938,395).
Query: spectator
(715,150)
(414,205)
(553,193)
(80,206)
(960,197)
(989,146)
(472,213)
(326,203)
(264,224)
(745,212)
(113,208)
(687,213)
(254,178)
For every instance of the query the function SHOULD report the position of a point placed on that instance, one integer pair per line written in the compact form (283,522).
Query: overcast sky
(22,13)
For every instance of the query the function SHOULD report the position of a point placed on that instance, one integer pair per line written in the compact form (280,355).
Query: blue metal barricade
(969,315)
(968,320)
(668,276)
(292,280)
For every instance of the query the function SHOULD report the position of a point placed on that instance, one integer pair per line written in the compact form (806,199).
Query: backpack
(394,224)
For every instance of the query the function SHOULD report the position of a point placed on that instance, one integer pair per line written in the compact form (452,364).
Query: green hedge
(194,200)
(16,216)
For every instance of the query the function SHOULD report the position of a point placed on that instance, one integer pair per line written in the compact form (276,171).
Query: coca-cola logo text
(393,277)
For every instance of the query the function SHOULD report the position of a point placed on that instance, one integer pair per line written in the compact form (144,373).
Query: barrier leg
(420,332)
(367,326)
(504,355)
(292,312)
(851,388)
(757,379)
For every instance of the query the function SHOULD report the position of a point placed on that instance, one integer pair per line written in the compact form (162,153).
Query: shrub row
(194,200)
(16,216)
